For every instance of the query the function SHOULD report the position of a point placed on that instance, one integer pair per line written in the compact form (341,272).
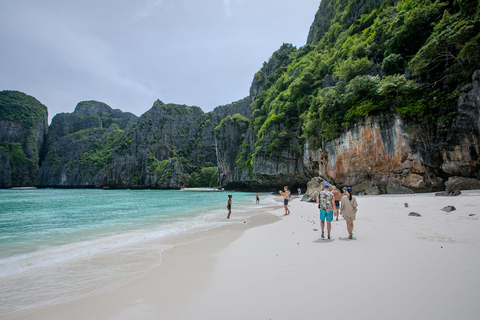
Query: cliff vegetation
(363,59)
(384,96)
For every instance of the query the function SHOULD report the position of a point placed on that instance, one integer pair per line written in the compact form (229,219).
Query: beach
(278,267)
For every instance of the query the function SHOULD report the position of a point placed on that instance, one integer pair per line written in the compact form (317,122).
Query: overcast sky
(129,53)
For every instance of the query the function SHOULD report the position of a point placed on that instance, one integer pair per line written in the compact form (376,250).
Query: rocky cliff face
(236,141)
(338,11)
(97,146)
(79,144)
(23,129)
(362,135)
(149,156)
(378,154)
(384,155)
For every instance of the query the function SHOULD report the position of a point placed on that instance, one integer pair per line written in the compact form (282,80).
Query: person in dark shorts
(258,199)
(286,194)
(336,197)
(229,206)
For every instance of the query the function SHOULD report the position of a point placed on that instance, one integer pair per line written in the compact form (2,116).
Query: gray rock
(414,214)
(23,130)
(393,188)
(462,183)
(450,193)
(448,209)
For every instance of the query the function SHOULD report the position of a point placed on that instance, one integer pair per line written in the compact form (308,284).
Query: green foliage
(102,148)
(18,107)
(411,27)
(454,41)
(393,64)
(17,154)
(206,178)
(237,119)
(349,69)
(176,109)
(436,38)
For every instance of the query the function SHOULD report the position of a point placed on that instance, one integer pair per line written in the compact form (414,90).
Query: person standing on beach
(349,209)
(229,206)
(326,204)
(336,197)
(299,191)
(258,199)
(286,194)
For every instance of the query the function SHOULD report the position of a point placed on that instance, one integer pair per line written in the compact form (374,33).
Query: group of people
(330,203)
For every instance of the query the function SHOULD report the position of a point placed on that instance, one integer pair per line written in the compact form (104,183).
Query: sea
(57,245)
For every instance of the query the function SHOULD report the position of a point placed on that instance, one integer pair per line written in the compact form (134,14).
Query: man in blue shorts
(326,204)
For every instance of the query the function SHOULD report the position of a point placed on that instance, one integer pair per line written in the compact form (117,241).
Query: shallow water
(61,244)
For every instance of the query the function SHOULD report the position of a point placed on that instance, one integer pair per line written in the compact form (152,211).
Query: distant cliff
(99,147)
(79,144)
(23,129)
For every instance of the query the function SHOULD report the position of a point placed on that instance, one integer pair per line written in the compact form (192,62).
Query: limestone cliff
(148,158)
(383,155)
(366,103)
(97,146)
(79,144)
(338,11)
(23,129)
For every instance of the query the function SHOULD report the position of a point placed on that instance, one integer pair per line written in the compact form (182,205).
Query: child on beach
(229,206)
(286,196)
(349,209)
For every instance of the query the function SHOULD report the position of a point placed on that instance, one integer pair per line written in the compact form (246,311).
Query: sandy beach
(277,267)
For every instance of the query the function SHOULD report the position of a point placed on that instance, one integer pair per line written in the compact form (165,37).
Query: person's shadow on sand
(321,240)
(347,239)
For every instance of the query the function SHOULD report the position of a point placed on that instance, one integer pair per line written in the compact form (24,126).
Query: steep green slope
(18,107)
(408,59)
(23,127)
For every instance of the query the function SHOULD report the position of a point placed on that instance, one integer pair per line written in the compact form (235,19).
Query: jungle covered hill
(383,97)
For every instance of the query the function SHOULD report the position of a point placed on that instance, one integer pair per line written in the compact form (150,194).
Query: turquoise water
(61,244)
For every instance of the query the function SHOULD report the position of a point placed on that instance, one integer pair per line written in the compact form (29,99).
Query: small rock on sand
(448,208)
(414,214)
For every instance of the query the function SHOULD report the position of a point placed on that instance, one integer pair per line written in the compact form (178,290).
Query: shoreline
(278,267)
(180,247)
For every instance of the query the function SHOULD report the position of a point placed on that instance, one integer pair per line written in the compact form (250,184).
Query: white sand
(396,267)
